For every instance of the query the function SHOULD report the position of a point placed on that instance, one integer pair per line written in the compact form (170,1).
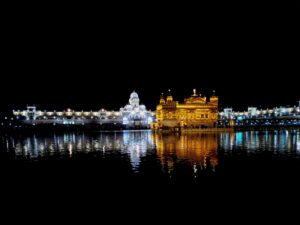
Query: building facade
(278,116)
(133,115)
(195,112)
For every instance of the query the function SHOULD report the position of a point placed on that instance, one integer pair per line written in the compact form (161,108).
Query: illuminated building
(278,116)
(133,115)
(195,112)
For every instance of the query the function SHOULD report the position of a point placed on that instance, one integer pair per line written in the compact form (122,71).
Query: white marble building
(133,115)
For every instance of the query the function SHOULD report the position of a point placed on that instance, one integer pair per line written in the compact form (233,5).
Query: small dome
(128,107)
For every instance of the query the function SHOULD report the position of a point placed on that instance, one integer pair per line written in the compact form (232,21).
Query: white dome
(134,99)
(134,95)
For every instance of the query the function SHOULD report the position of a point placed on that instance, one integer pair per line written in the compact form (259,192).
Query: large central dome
(134,95)
(134,99)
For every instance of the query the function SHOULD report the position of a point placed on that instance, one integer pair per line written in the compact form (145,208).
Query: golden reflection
(200,150)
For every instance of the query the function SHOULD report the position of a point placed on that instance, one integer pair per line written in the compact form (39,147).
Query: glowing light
(127,115)
(70,148)
(150,120)
(194,91)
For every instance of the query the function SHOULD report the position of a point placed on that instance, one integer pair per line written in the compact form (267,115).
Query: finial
(169,91)
(194,90)
(214,92)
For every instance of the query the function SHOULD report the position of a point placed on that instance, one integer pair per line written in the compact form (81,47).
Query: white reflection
(133,144)
(283,142)
(298,143)
(70,148)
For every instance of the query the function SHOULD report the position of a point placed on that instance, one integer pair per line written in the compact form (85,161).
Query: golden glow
(195,148)
(195,112)
(78,113)
(69,113)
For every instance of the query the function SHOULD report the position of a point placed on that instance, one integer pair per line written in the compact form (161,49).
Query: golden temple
(195,112)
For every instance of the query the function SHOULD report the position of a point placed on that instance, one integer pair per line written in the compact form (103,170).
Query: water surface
(132,156)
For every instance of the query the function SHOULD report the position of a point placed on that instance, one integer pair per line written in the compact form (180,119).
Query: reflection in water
(136,145)
(199,150)
(133,144)
(195,154)
(277,142)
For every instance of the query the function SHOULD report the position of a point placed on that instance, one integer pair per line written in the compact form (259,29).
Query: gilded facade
(195,112)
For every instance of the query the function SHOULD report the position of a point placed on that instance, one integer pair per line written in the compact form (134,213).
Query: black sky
(248,54)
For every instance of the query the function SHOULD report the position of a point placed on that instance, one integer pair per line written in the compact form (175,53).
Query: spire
(162,99)
(214,99)
(194,92)
(169,97)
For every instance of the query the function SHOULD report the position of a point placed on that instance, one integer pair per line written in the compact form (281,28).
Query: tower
(169,97)
(162,100)
(214,100)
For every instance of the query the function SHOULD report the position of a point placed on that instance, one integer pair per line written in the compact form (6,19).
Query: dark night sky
(236,52)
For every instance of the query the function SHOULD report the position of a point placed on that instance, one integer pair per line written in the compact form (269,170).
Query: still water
(143,155)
